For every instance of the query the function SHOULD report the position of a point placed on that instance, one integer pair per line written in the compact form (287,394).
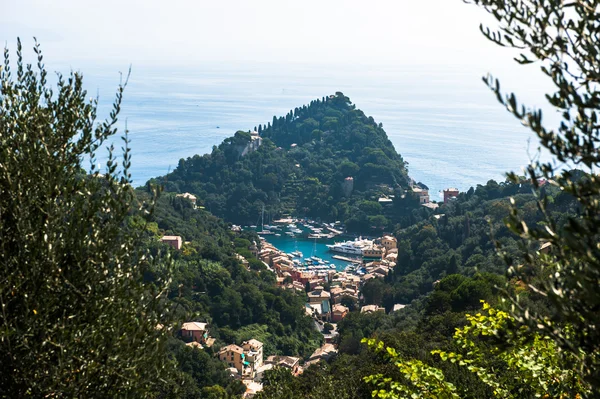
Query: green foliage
(76,319)
(513,365)
(209,377)
(534,361)
(561,37)
(306,179)
(422,381)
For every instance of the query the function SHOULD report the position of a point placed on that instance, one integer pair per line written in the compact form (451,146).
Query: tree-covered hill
(301,168)
(446,265)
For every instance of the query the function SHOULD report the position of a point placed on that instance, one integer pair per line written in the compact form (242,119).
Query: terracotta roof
(253,342)
(339,308)
(194,326)
(231,348)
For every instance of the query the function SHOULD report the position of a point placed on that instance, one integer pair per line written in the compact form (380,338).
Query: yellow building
(373,252)
(233,356)
(389,243)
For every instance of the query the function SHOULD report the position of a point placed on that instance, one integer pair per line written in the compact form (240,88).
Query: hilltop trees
(76,319)
(301,168)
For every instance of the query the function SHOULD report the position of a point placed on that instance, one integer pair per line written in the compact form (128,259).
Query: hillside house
(174,241)
(190,197)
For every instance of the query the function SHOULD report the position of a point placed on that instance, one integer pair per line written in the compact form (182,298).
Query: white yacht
(350,247)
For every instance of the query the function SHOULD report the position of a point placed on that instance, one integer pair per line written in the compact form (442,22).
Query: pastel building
(450,194)
(174,241)
(232,355)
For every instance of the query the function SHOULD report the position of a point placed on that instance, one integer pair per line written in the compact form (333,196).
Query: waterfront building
(373,251)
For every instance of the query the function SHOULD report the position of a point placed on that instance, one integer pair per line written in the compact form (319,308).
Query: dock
(334,231)
(345,259)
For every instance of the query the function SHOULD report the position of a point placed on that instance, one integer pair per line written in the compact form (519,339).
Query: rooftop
(171,238)
(253,343)
(194,326)
(231,348)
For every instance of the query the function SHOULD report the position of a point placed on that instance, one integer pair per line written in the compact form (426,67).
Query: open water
(444,122)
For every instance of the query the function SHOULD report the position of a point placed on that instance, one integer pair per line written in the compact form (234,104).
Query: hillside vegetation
(300,169)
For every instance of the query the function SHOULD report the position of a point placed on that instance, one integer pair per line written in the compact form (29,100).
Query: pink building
(174,241)
(450,194)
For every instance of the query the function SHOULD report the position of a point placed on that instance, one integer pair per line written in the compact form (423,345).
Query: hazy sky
(194,31)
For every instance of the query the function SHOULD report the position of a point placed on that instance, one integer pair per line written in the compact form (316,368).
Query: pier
(345,259)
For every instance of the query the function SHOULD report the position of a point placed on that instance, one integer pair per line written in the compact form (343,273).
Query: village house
(338,312)
(422,195)
(338,293)
(243,260)
(253,248)
(253,350)
(389,243)
(289,362)
(190,197)
(252,388)
(450,194)
(194,331)
(371,309)
(174,241)
(398,307)
(374,251)
(233,356)
(320,310)
(383,201)
(253,145)
(245,359)
(195,344)
(295,286)
(318,295)
(325,352)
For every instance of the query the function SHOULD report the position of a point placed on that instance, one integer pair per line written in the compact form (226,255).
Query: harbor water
(309,248)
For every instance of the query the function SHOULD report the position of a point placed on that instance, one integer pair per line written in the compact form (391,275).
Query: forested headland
(301,169)
(493,294)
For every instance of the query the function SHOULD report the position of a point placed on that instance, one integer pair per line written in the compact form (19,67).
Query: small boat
(277,235)
(289,233)
(297,253)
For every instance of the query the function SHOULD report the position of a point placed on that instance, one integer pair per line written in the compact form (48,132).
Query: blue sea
(443,120)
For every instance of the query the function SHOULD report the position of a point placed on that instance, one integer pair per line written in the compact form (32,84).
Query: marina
(304,250)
